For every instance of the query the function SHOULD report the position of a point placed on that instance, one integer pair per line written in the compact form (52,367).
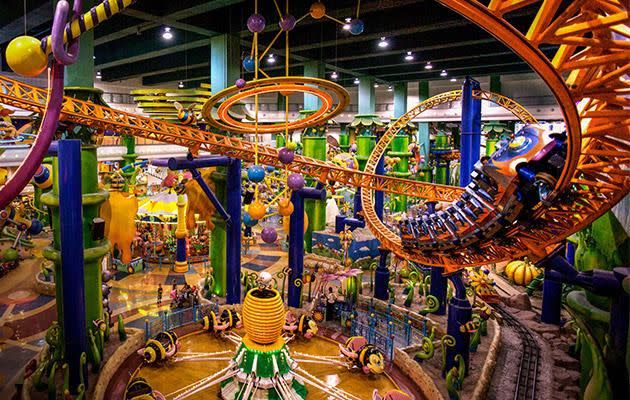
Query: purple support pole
(296,242)
(71,237)
(471,130)
(552,299)
(438,288)
(618,332)
(381,276)
(358,206)
(459,313)
(378,195)
(233,234)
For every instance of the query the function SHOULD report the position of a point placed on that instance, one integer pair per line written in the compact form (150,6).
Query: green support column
(399,147)
(313,69)
(425,172)
(93,198)
(218,237)
(81,73)
(344,139)
(400,99)
(313,145)
(495,83)
(367,98)
(130,157)
(225,69)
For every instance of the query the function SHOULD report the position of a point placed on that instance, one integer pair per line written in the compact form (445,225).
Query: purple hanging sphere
(240,83)
(286,156)
(295,181)
(269,235)
(287,22)
(256,23)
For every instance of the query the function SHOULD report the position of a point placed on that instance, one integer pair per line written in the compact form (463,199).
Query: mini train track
(527,377)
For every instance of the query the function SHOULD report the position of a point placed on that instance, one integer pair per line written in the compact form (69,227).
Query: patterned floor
(25,315)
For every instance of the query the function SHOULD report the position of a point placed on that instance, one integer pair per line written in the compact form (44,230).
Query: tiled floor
(25,315)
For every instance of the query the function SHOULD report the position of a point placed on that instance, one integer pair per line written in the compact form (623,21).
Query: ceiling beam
(34,18)
(157,53)
(176,16)
(168,21)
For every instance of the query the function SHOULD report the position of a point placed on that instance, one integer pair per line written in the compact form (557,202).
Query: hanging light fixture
(443,73)
(389,88)
(181,85)
(334,75)
(167,34)
(346,26)
(428,66)
(356,81)
(98,75)
(375,84)
(453,80)
(383,43)
(409,56)
(271,59)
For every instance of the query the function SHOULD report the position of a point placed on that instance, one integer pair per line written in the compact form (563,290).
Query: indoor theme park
(314,200)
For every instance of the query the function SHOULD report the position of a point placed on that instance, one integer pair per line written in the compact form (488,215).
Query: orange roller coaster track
(33,99)
(593,55)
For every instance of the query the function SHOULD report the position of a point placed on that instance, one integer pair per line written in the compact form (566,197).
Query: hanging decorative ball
(256,23)
(356,26)
(286,156)
(106,276)
(269,235)
(285,207)
(287,22)
(249,64)
(318,10)
(248,220)
(295,181)
(257,210)
(291,146)
(36,227)
(240,82)
(256,173)
(25,56)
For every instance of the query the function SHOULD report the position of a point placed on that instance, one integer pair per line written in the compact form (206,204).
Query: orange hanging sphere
(318,10)
(285,207)
(287,220)
(257,210)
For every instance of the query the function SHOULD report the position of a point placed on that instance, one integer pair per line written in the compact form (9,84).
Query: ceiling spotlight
(346,26)
(375,85)
(453,80)
(334,75)
(389,88)
(383,43)
(443,73)
(167,34)
(428,66)
(356,81)
(409,56)
(271,59)
(93,57)
(98,75)
(181,85)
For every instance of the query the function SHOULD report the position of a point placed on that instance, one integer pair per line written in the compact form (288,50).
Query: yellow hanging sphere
(285,207)
(257,210)
(25,56)
(318,10)
(286,221)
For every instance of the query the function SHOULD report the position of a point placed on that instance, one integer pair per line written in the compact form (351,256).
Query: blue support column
(471,130)
(378,195)
(233,255)
(381,277)
(71,235)
(296,242)
(423,127)
(459,313)
(438,288)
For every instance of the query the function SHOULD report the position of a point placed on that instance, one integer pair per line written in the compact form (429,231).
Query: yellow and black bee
(186,116)
(162,347)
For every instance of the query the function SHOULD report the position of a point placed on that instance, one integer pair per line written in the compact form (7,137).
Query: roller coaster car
(139,389)
(504,189)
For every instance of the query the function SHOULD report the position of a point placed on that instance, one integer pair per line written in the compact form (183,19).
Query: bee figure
(186,116)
